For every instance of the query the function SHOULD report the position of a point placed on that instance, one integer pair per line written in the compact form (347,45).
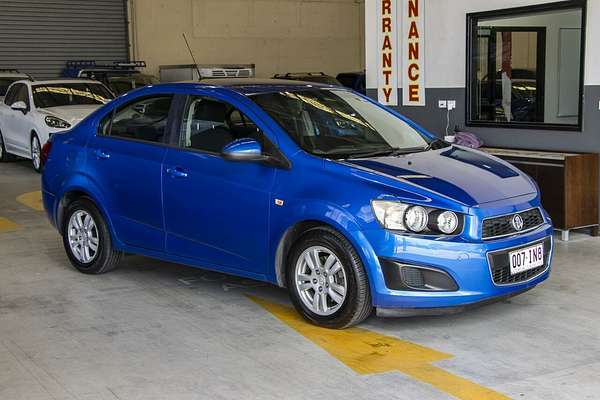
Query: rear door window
(144,119)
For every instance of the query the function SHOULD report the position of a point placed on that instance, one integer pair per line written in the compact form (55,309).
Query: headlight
(447,222)
(398,216)
(55,122)
(390,214)
(416,219)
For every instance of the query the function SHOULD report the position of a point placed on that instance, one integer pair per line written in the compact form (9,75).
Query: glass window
(144,119)
(338,123)
(209,125)
(525,67)
(70,94)
(22,94)
(11,94)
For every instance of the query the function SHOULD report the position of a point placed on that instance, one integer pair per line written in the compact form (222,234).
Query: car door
(18,124)
(125,159)
(216,210)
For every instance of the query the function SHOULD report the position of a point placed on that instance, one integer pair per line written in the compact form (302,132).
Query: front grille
(502,226)
(500,266)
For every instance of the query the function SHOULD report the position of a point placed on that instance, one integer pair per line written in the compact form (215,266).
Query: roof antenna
(193,59)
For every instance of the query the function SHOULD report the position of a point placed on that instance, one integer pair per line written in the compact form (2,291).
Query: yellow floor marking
(6,225)
(32,200)
(368,352)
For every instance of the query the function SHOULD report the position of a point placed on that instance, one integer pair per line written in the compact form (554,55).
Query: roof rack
(75,67)
(289,74)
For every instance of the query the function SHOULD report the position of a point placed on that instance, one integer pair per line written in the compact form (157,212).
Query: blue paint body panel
(222,214)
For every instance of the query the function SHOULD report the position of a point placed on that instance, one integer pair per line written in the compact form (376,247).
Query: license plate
(527,258)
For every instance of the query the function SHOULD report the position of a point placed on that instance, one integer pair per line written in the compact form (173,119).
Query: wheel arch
(74,193)
(300,228)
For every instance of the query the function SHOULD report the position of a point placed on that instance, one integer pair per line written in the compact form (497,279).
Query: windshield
(5,83)
(70,94)
(338,124)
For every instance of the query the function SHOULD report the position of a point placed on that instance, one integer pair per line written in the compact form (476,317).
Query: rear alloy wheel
(87,240)
(36,153)
(327,281)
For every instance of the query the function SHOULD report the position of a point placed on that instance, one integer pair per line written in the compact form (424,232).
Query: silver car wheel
(35,152)
(320,280)
(84,240)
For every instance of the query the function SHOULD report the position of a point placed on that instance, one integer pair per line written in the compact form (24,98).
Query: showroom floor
(152,330)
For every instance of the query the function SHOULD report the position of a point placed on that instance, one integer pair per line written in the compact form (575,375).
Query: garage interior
(156,330)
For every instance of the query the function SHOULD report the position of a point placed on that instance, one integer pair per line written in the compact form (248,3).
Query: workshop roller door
(39,36)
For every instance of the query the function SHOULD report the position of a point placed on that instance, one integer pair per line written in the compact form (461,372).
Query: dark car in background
(353,80)
(317,77)
(120,77)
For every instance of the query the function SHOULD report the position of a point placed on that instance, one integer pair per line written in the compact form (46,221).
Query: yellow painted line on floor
(368,352)
(6,225)
(32,200)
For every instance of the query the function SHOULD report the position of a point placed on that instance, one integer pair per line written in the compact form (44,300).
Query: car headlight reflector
(390,214)
(399,216)
(447,222)
(55,122)
(416,219)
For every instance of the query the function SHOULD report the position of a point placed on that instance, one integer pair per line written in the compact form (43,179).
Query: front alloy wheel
(36,151)
(327,281)
(320,280)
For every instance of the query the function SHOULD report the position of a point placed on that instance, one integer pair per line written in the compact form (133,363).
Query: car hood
(463,175)
(71,114)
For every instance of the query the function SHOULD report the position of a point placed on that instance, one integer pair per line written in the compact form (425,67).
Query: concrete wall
(276,35)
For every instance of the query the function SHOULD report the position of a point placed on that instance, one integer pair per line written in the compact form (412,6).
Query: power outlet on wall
(442,104)
(451,105)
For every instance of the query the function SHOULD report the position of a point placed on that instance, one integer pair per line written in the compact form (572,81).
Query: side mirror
(243,150)
(19,106)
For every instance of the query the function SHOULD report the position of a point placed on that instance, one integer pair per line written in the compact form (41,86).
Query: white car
(8,77)
(33,111)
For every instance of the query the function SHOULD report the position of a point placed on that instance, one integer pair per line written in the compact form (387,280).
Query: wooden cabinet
(568,183)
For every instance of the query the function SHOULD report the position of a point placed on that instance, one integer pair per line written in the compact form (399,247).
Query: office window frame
(471,82)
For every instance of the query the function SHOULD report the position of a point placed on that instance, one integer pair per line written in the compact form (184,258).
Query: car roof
(59,81)
(249,86)
(13,75)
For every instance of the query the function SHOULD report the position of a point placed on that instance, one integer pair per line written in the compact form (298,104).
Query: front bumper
(467,262)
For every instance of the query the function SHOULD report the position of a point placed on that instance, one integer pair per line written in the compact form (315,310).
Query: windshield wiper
(437,144)
(394,151)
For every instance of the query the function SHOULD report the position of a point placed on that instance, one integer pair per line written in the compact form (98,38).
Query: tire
(35,148)
(4,156)
(104,258)
(355,305)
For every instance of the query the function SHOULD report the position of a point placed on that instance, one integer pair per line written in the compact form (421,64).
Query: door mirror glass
(19,106)
(243,150)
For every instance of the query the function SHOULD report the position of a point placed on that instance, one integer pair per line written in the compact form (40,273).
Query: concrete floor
(152,330)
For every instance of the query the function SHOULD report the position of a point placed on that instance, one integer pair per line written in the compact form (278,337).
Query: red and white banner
(387,51)
(413,52)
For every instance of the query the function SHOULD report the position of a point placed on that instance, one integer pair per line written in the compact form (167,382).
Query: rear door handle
(102,155)
(177,172)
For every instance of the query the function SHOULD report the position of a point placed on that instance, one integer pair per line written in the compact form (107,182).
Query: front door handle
(177,172)
(102,155)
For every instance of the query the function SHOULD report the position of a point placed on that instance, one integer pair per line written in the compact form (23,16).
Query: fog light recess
(416,278)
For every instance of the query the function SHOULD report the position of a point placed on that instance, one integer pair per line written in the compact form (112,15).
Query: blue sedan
(311,187)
